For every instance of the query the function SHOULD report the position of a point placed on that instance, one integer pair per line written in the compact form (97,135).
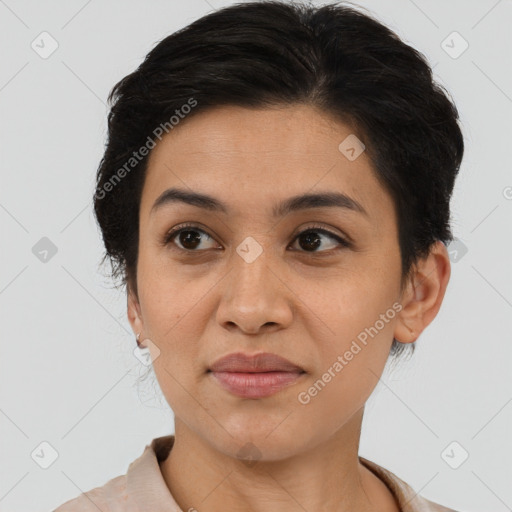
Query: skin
(291,301)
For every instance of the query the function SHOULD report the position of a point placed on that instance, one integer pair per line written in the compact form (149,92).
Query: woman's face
(242,280)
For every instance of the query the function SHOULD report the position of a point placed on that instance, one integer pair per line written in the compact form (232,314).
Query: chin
(264,442)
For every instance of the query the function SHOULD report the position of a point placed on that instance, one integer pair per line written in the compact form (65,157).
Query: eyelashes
(170,237)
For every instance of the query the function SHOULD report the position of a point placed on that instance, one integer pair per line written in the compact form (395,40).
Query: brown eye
(311,239)
(188,238)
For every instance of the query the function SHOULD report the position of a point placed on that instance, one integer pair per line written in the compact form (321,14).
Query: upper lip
(255,363)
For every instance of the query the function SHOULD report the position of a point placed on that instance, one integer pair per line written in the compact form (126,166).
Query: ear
(423,294)
(134,314)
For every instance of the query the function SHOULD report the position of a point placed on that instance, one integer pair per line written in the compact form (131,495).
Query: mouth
(256,385)
(255,376)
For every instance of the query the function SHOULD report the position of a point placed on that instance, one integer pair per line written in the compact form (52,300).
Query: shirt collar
(144,481)
(407,498)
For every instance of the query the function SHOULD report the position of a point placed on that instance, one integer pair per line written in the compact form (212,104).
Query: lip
(254,363)
(255,376)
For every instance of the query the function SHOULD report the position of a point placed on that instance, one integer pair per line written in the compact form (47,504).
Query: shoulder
(130,492)
(407,498)
(111,497)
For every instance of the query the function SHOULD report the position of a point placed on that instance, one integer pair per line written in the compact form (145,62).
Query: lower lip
(256,385)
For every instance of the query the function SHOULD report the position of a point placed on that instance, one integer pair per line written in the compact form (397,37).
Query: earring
(138,337)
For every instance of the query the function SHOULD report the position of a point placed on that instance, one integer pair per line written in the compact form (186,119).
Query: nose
(254,297)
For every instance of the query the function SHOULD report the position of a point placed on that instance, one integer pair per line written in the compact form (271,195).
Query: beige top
(143,488)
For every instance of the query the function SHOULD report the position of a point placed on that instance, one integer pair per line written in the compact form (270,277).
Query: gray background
(68,374)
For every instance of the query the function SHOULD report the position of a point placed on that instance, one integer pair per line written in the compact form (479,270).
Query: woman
(275,197)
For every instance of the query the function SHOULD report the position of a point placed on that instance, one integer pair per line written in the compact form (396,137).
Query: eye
(189,237)
(311,238)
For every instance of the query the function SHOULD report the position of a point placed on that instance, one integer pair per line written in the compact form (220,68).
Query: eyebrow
(292,204)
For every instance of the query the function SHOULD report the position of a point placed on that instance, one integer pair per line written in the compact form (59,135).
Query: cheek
(351,363)
(352,300)
(169,292)
(359,308)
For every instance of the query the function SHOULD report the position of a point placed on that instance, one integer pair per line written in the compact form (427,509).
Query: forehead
(253,158)
(294,130)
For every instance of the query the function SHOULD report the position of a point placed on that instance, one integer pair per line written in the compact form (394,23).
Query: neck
(326,477)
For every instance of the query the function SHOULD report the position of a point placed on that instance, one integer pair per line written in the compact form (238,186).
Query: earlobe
(134,313)
(424,293)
